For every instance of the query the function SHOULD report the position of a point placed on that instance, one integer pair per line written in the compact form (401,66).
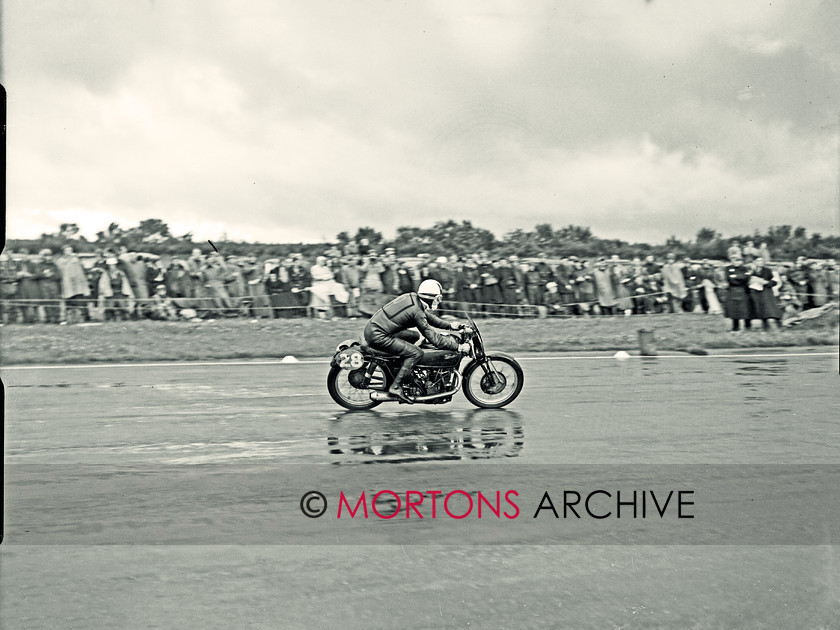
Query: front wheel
(348,395)
(496,387)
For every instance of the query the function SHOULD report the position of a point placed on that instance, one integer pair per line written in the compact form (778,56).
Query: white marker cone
(621,355)
(289,359)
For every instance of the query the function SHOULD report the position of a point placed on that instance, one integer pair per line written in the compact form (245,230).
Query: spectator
(134,267)
(818,282)
(93,273)
(584,288)
(738,305)
(673,284)
(604,287)
(833,273)
(278,290)
(176,279)
(534,286)
(115,291)
(762,298)
(764,252)
(49,286)
(351,278)
(708,282)
(405,278)
(734,250)
(789,302)
(299,281)
(27,288)
(351,249)
(565,287)
(373,295)
(9,280)
(546,272)
(553,301)
(155,274)
(642,302)
(749,253)
(74,285)
(799,278)
(161,306)
(325,289)
(254,276)
(621,280)
(509,282)
(216,272)
(490,290)
(695,299)
(236,287)
(390,276)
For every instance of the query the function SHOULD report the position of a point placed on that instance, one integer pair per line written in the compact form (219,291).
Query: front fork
(491,371)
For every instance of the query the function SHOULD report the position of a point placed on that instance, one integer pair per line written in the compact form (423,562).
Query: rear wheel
(345,393)
(495,388)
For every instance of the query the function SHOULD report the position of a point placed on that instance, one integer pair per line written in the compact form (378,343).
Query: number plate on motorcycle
(350,359)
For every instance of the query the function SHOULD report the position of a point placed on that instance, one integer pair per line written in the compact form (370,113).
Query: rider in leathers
(388,329)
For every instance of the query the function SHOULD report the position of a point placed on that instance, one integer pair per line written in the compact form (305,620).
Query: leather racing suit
(388,331)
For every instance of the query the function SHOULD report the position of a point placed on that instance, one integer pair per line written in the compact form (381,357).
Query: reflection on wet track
(426,436)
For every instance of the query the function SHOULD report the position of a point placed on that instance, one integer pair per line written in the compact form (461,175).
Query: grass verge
(238,339)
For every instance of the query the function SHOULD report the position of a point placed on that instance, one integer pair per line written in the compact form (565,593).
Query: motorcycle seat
(374,352)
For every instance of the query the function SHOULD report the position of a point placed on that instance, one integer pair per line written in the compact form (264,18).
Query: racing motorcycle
(359,375)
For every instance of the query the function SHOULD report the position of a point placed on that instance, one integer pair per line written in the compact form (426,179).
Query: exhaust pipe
(386,397)
(382,396)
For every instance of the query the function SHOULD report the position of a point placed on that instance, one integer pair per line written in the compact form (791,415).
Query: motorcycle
(360,376)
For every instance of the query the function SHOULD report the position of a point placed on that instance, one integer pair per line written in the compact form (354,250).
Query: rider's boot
(396,387)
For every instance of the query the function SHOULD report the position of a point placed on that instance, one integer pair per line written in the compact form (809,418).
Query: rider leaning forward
(389,329)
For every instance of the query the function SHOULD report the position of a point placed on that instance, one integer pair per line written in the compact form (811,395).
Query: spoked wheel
(495,388)
(344,389)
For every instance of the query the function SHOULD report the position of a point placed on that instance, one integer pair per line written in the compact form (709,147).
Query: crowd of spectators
(355,280)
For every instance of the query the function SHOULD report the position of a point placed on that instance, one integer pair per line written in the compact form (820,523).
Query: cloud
(291,121)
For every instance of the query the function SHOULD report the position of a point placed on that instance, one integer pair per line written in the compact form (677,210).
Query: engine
(430,381)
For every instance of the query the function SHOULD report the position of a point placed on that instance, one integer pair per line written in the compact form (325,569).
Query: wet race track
(169,496)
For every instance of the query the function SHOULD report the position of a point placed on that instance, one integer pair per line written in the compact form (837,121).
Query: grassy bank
(232,339)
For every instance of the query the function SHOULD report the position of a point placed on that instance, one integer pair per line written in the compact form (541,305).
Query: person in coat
(604,288)
(27,292)
(278,289)
(762,296)
(49,286)
(738,304)
(707,278)
(74,284)
(116,291)
(673,283)
(8,290)
(584,288)
(534,286)
(621,280)
(299,281)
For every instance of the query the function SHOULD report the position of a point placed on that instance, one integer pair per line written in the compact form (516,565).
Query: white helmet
(430,291)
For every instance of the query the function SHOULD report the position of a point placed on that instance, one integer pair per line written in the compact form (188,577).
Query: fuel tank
(439,358)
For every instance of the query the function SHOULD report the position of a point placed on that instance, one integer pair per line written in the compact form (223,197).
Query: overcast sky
(282,121)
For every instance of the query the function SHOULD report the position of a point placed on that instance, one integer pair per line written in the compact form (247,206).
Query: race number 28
(351,360)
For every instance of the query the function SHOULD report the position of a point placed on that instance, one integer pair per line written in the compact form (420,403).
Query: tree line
(445,238)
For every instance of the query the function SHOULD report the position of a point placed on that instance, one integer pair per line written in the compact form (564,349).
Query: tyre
(483,390)
(347,395)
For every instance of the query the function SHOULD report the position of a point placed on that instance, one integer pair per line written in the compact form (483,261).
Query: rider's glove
(464,348)
(457,325)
